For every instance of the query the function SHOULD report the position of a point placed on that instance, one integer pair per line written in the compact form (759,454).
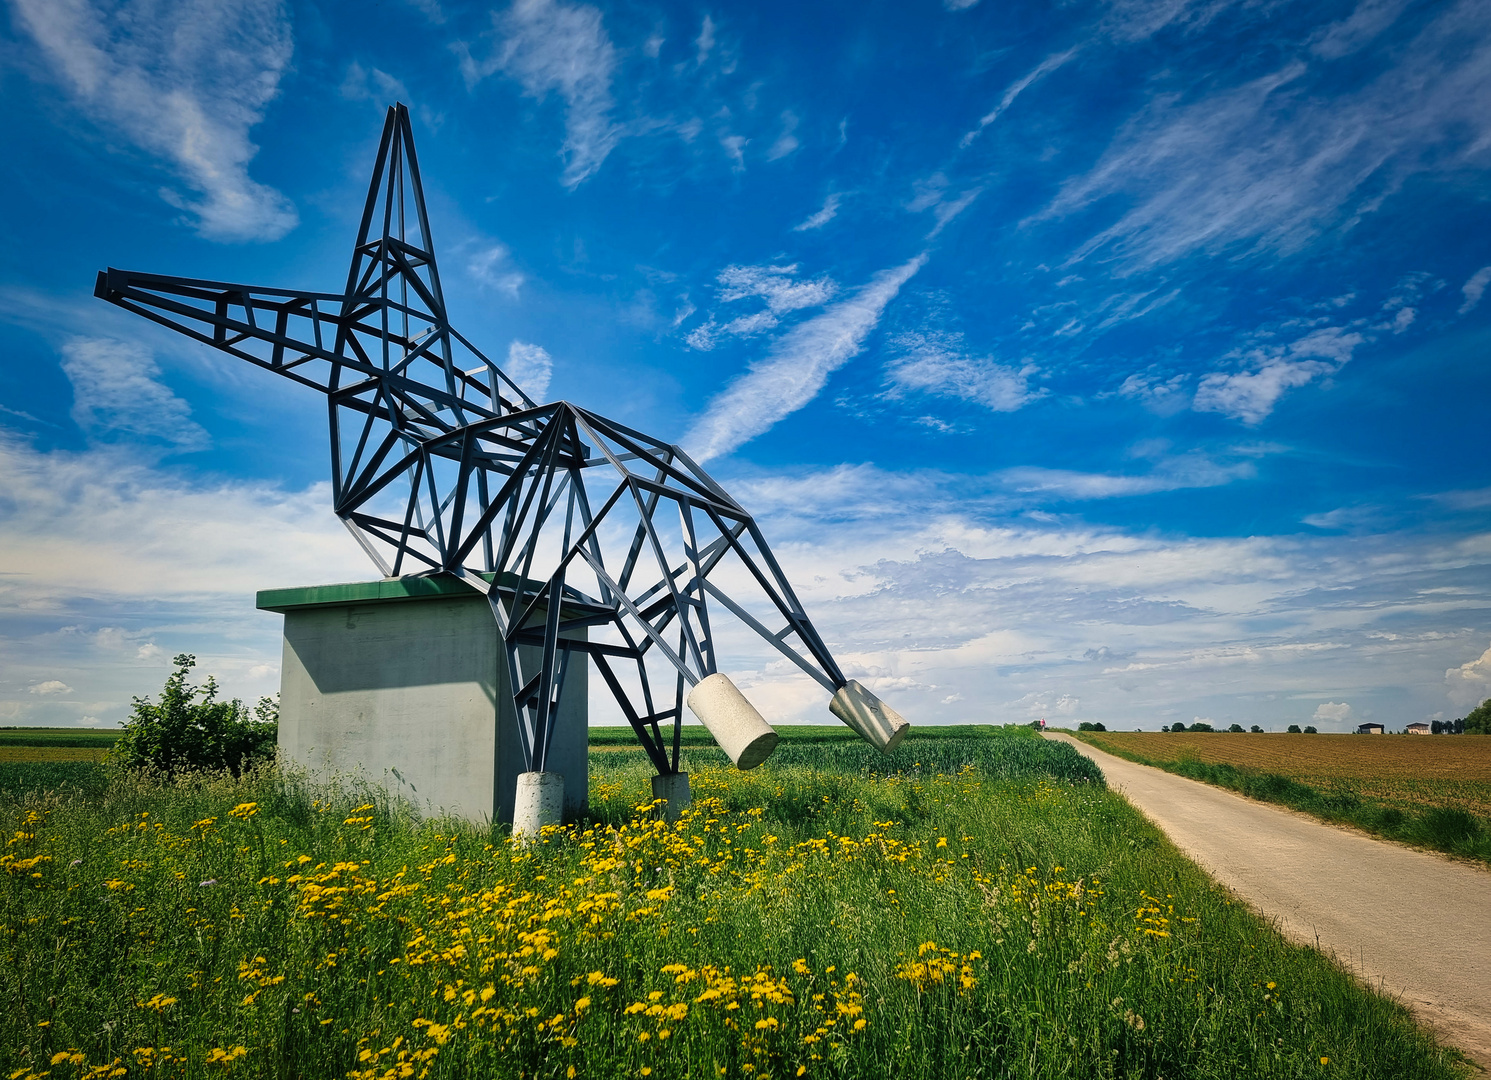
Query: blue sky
(1119,362)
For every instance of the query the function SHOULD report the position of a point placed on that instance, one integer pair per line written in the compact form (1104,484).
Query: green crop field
(966,907)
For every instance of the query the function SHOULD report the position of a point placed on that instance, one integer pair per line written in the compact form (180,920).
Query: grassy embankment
(1430,792)
(971,907)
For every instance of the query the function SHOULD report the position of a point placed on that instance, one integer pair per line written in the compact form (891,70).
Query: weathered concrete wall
(409,693)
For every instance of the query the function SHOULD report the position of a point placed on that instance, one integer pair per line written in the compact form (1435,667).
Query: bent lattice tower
(585,536)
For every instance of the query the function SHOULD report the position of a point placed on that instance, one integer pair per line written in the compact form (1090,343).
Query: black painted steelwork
(442,464)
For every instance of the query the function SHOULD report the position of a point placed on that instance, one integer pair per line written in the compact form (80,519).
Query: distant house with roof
(1419,729)
(1369,729)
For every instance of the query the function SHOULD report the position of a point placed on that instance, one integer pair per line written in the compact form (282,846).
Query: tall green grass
(812,917)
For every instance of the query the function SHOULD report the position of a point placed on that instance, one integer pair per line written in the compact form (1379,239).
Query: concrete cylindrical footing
(733,721)
(674,787)
(877,723)
(539,802)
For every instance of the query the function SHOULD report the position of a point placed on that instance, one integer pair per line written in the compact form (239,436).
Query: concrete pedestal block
(733,721)
(877,723)
(675,788)
(398,683)
(539,801)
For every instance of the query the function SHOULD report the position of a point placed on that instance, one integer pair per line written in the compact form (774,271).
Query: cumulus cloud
(796,367)
(550,47)
(1333,712)
(1469,684)
(116,390)
(184,80)
(1251,394)
(51,686)
(777,286)
(531,367)
(1474,288)
(931,364)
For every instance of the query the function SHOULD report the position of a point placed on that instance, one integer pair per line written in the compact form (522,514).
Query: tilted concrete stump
(399,681)
(734,722)
(877,723)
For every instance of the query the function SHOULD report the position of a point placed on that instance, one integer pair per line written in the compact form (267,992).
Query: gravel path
(1413,924)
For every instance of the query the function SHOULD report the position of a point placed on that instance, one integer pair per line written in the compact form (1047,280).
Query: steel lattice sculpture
(441,464)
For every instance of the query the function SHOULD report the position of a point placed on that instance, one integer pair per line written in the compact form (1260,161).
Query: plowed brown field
(1399,770)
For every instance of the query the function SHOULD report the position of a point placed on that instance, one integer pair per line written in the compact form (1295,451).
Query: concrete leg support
(539,802)
(675,788)
(733,721)
(877,723)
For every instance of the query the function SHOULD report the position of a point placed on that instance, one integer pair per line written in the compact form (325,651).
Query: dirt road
(1413,924)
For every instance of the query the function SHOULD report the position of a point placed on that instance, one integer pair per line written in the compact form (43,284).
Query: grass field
(51,753)
(1432,791)
(974,907)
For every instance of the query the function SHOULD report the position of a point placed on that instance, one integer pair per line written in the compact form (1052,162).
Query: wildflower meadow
(970,908)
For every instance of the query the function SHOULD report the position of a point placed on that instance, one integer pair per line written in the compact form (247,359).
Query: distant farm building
(1369,729)
(1419,729)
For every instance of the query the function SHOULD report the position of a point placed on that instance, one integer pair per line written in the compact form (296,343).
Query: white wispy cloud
(1134,20)
(550,47)
(184,80)
(531,367)
(937,364)
(109,557)
(796,367)
(116,389)
(1157,392)
(1266,167)
(822,216)
(491,265)
(787,140)
(1474,288)
(780,289)
(916,576)
(51,686)
(1045,67)
(933,194)
(1169,474)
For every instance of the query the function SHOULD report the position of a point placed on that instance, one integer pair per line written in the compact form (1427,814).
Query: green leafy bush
(1091,726)
(1256,730)
(1310,730)
(191,729)
(1479,720)
(1294,729)
(1236,729)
